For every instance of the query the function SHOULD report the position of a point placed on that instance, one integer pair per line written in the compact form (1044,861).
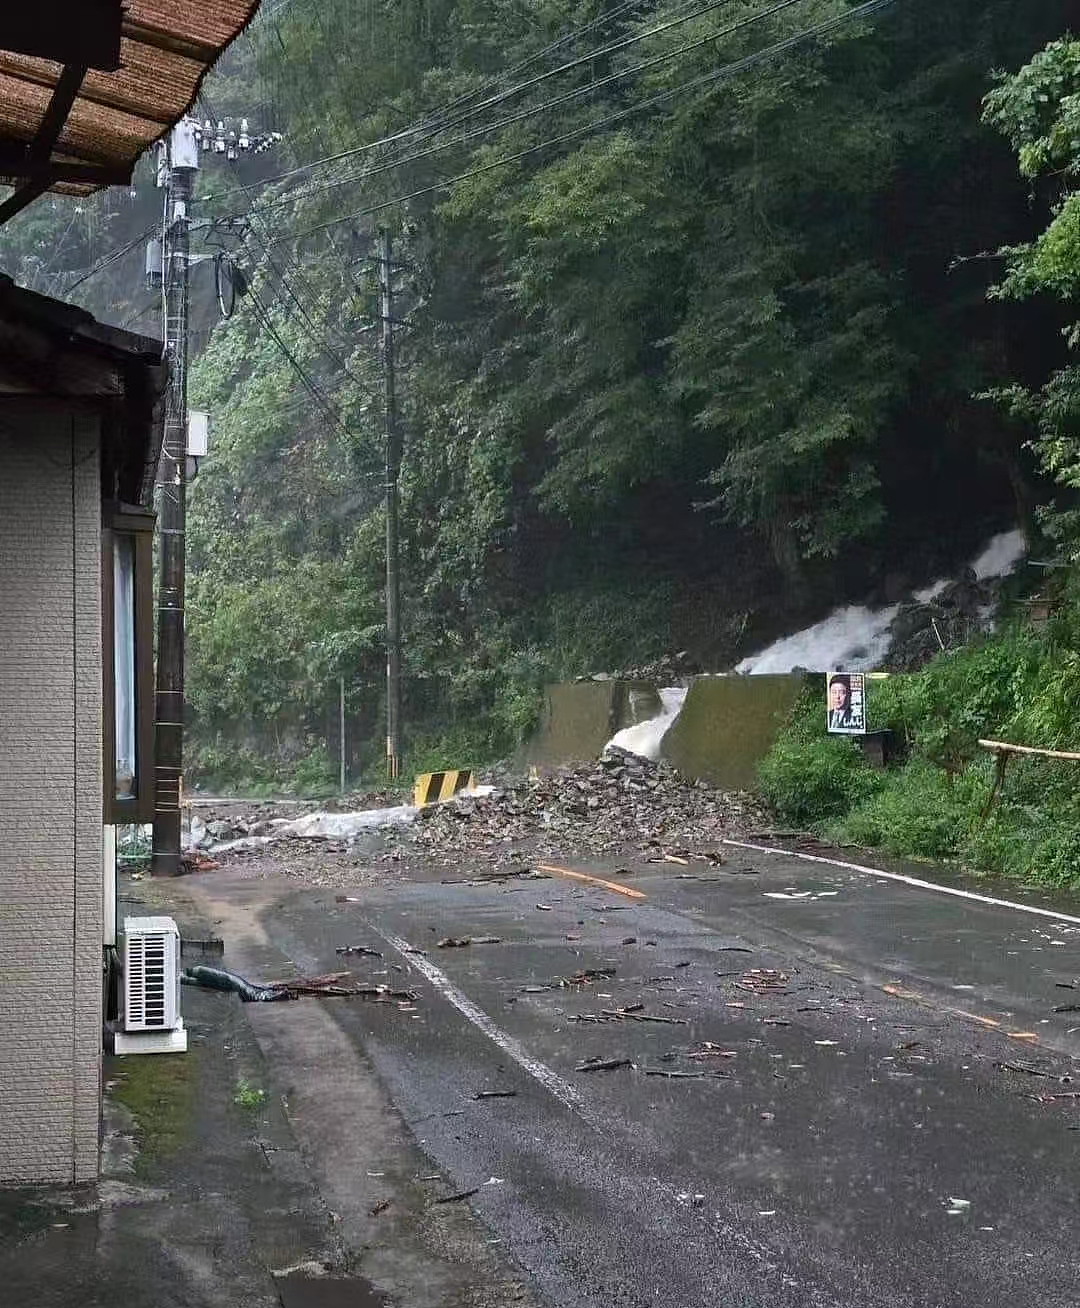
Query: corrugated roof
(165,49)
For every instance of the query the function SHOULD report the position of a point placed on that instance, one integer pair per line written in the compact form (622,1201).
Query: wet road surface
(830,1089)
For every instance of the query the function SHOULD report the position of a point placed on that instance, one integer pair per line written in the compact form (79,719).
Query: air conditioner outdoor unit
(150,960)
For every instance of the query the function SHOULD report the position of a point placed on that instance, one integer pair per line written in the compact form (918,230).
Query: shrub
(454,747)
(1020,685)
(971,693)
(1033,832)
(811,780)
(229,769)
(918,810)
(316,775)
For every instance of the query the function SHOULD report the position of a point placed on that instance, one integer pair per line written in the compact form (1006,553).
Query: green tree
(1038,110)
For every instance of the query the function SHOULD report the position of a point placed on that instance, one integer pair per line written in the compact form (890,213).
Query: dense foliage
(1023,685)
(660,378)
(1038,109)
(691,350)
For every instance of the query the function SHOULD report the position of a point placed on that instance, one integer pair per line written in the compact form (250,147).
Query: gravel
(620,806)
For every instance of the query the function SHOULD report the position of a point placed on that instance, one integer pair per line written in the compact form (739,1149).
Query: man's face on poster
(838,695)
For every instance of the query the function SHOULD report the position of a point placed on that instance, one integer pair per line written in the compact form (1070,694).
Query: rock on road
(826,1088)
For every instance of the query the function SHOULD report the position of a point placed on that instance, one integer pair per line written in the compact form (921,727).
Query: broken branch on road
(1029,1068)
(630,1013)
(455,1198)
(583,977)
(763,980)
(603,1064)
(681,1076)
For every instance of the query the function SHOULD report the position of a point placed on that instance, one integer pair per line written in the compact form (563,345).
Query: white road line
(908,881)
(551,1081)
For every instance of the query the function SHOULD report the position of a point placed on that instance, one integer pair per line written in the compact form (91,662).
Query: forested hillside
(699,343)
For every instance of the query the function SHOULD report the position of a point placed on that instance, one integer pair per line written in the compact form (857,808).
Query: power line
(319,333)
(577,62)
(434,115)
(731,69)
(263,314)
(615,46)
(522,64)
(705,79)
(578,92)
(140,313)
(104,263)
(47,269)
(314,328)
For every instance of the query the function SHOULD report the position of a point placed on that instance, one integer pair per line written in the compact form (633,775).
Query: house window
(128,667)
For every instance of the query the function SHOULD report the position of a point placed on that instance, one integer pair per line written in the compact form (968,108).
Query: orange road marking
(972,1017)
(900,992)
(594,881)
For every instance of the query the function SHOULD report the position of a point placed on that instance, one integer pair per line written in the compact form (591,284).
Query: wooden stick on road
(560,871)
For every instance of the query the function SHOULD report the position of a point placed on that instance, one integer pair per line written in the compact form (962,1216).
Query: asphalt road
(872,1123)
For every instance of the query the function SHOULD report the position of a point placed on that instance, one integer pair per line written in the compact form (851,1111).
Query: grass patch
(917,811)
(248,1096)
(160,1092)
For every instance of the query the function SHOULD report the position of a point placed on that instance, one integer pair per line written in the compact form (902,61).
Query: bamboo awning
(87,85)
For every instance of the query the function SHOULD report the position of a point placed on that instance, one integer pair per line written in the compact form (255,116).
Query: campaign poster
(846,700)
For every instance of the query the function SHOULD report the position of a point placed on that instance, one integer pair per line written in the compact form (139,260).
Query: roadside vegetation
(1023,684)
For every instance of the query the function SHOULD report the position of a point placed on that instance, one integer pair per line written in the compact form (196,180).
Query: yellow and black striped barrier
(437,787)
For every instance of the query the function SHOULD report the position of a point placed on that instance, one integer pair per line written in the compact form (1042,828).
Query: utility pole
(341,729)
(182,162)
(392,438)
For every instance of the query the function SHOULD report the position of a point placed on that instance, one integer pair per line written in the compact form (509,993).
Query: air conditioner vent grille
(151,974)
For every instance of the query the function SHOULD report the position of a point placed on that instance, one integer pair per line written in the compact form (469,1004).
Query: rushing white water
(929,593)
(646,737)
(857,638)
(1002,554)
(853,638)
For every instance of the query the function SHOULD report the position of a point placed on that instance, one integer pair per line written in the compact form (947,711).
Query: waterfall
(856,638)
(646,738)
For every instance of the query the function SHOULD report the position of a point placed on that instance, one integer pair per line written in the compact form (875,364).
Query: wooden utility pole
(341,729)
(182,163)
(392,436)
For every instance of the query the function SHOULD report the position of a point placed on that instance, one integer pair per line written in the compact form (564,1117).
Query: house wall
(50,794)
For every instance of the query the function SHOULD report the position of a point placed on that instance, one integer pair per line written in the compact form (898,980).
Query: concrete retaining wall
(580,717)
(726,726)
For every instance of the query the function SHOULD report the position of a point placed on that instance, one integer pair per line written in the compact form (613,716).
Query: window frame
(137,524)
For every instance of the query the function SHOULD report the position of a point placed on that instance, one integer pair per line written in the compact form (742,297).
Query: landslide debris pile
(621,803)
(949,619)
